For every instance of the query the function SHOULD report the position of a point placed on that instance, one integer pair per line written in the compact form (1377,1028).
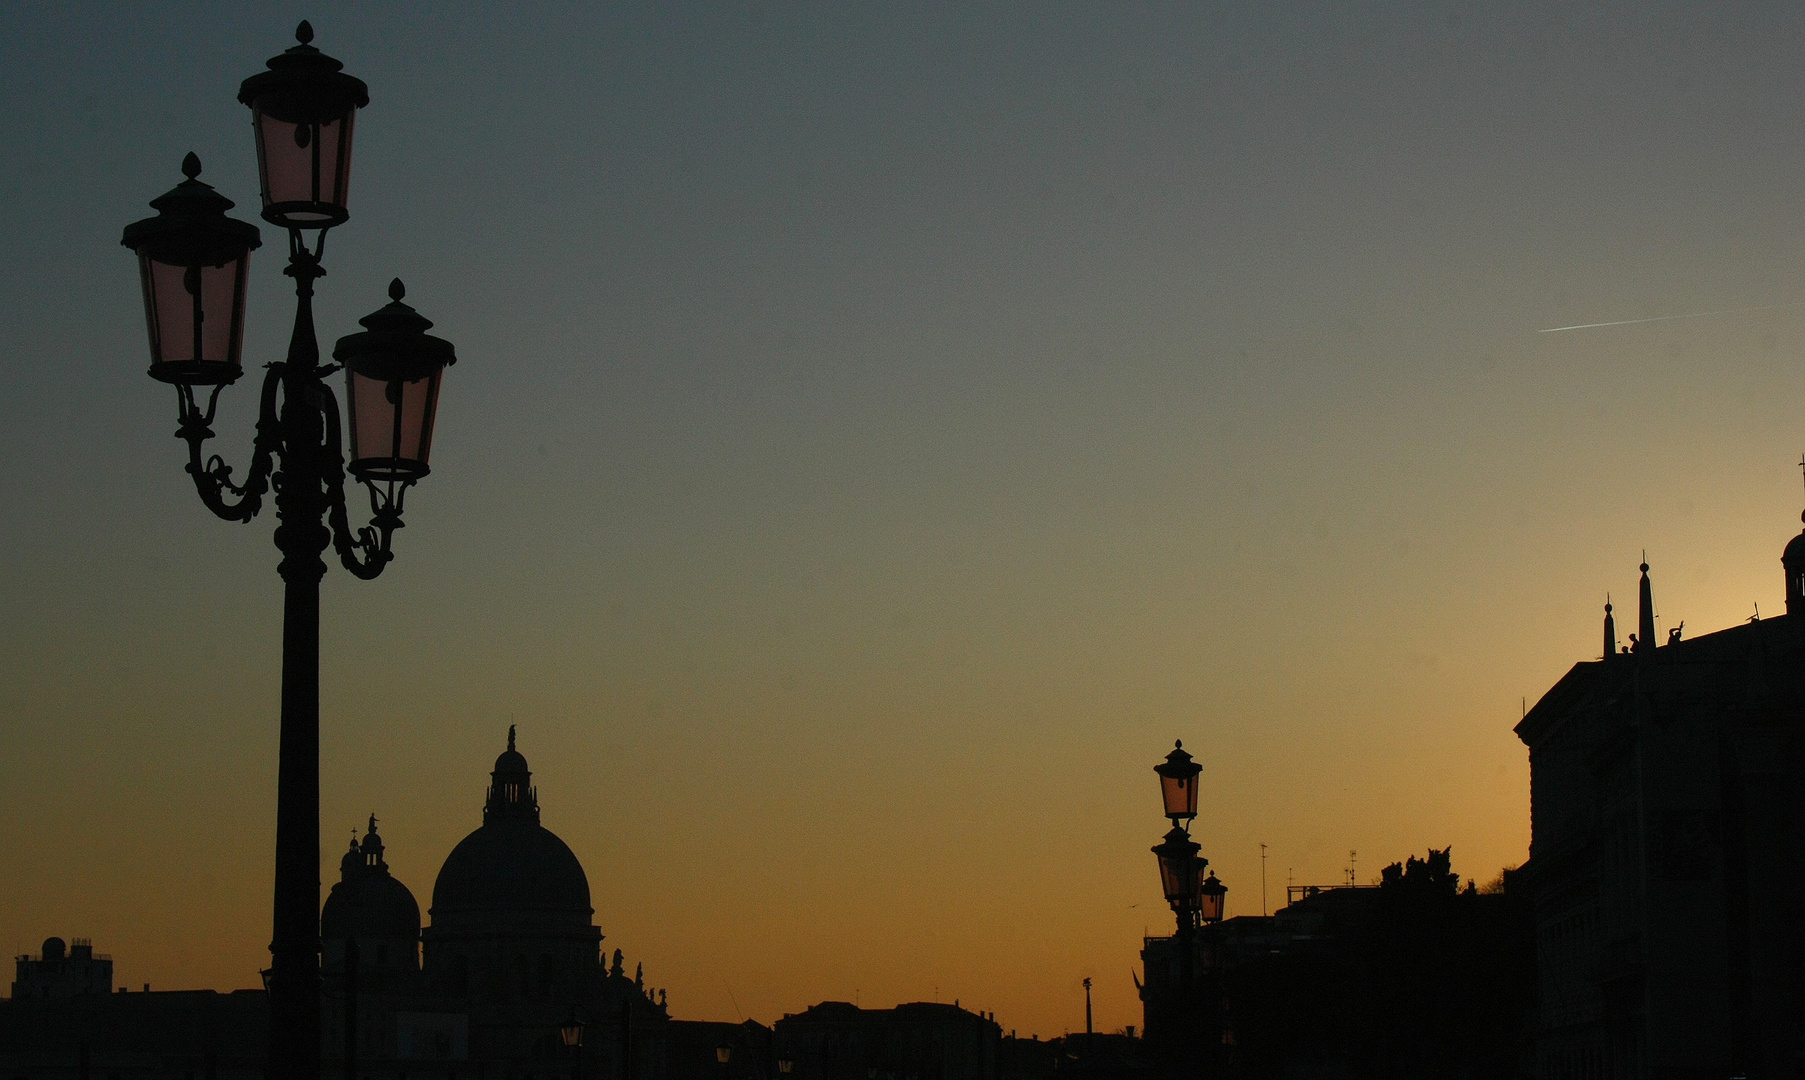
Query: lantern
(303,109)
(1210,895)
(1178,874)
(392,373)
(723,1054)
(193,260)
(571,1031)
(1178,783)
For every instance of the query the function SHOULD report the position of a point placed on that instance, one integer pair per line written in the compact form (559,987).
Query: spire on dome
(1610,629)
(510,736)
(1645,616)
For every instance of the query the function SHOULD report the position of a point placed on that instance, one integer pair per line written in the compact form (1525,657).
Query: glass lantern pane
(179,300)
(1172,874)
(306,167)
(1180,795)
(391,423)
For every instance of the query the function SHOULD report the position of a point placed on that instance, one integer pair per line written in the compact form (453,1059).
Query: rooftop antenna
(1351,878)
(1262,881)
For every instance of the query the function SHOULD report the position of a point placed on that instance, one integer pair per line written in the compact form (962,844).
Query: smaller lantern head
(193,260)
(1179,870)
(571,1031)
(1210,895)
(1178,783)
(723,1054)
(303,109)
(786,1066)
(392,373)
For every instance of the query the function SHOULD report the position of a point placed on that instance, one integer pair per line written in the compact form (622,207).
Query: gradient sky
(879,430)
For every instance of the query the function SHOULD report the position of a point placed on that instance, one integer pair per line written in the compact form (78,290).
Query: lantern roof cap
(191,224)
(1177,843)
(394,344)
(1178,763)
(306,68)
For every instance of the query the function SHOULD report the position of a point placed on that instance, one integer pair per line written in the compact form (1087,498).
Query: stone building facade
(1668,852)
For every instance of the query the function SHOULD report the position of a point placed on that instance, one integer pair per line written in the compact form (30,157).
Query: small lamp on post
(1210,895)
(303,110)
(392,374)
(571,1034)
(1179,879)
(193,260)
(1178,783)
(1179,874)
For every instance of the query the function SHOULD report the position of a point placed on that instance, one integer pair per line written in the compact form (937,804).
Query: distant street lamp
(1210,897)
(1180,875)
(571,1034)
(1178,783)
(193,261)
(1194,898)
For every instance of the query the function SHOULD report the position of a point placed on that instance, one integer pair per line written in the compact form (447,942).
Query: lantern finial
(191,165)
(397,290)
(304,32)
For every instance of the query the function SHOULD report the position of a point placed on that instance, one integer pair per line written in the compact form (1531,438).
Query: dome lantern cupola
(511,791)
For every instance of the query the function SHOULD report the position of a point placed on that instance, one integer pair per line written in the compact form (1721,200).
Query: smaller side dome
(54,948)
(368,903)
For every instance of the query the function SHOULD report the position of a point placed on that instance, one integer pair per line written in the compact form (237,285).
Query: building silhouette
(511,955)
(60,971)
(920,1040)
(1667,853)
(1413,978)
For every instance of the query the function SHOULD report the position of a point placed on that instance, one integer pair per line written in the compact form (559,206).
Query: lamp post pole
(193,260)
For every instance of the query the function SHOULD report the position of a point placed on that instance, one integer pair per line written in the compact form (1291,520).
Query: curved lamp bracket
(367,551)
(212,476)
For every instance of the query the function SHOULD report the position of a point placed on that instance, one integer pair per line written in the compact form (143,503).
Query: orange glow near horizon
(875,437)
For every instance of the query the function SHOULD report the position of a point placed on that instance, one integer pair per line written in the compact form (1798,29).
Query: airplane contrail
(1665,318)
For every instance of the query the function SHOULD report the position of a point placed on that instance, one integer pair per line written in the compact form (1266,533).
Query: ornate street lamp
(193,260)
(1180,875)
(1178,783)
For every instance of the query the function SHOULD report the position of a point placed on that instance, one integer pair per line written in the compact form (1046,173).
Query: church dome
(512,864)
(1794,555)
(368,903)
